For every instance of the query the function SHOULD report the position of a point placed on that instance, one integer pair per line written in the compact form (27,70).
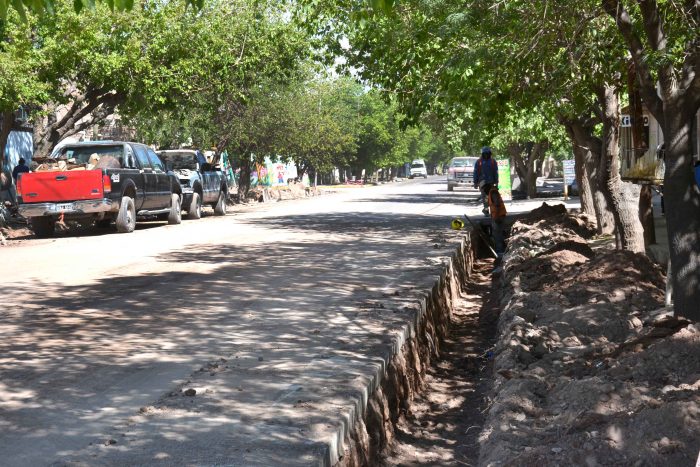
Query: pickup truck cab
(202,183)
(461,172)
(104,181)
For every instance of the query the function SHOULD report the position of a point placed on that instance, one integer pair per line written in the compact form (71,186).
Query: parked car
(460,172)
(202,183)
(418,169)
(106,182)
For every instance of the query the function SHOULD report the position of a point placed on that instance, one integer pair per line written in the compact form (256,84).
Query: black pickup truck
(106,181)
(202,182)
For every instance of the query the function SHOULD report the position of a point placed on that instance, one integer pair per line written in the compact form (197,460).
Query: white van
(418,169)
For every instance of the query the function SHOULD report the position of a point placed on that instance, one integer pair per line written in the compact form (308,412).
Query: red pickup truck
(101,181)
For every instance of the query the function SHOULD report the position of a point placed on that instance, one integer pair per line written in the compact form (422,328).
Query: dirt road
(267,314)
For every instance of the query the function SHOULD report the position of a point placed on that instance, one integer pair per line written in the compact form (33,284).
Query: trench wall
(371,428)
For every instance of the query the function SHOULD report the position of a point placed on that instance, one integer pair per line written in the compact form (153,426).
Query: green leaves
(47,6)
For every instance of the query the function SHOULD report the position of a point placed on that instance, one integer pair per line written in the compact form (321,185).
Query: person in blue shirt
(19,169)
(697,173)
(485,176)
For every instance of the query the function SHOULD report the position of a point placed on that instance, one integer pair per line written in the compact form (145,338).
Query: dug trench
(429,407)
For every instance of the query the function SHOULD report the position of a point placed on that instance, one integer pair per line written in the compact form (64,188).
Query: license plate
(64,207)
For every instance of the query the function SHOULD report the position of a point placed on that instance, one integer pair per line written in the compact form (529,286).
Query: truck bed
(73,185)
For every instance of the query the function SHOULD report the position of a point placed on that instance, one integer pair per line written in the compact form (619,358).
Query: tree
(48,6)
(20,86)
(226,77)
(664,41)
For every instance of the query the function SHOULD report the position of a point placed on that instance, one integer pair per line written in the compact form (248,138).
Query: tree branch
(647,84)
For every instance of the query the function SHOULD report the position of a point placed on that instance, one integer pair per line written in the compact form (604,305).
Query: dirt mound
(589,369)
(623,277)
(544,212)
(581,248)
(556,216)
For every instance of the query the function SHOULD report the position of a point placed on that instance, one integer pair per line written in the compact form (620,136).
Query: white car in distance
(418,169)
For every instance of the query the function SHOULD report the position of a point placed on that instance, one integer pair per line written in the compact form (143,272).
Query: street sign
(569,172)
(504,182)
(626,121)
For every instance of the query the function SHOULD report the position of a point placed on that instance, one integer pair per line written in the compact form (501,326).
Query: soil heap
(589,368)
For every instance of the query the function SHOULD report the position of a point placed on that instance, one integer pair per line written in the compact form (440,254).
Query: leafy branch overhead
(48,6)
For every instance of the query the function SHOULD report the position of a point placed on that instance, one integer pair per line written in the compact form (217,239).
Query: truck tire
(175,215)
(126,219)
(43,226)
(450,188)
(220,206)
(195,211)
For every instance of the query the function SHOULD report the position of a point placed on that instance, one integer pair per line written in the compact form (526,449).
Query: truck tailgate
(73,185)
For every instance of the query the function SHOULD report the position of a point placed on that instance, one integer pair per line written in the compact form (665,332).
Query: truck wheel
(43,226)
(175,215)
(220,208)
(126,219)
(450,188)
(195,211)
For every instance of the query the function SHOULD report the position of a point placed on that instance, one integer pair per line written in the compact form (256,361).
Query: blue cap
(485,150)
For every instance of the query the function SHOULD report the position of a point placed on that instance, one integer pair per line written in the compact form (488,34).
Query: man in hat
(485,176)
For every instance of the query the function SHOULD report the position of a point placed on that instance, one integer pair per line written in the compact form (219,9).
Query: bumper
(75,208)
(186,198)
(459,182)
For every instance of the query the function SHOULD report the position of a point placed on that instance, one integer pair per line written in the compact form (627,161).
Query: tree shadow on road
(312,316)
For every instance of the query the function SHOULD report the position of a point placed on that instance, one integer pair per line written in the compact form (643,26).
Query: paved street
(270,314)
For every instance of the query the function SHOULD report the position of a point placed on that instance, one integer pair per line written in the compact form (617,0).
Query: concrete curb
(368,427)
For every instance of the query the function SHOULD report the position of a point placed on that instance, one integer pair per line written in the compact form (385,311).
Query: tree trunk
(535,155)
(582,178)
(515,151)
(620,197)
(244,180)
(646,215)
(8,118)
(682,204)
(591,148)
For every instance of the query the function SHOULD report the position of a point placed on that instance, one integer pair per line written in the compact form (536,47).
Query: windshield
(466,162)
(84,154)
(417,166)
(180,161)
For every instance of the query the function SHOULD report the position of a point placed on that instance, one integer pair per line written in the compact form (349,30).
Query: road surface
(272,315)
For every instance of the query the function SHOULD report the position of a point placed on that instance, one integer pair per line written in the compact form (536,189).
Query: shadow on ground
(310,312)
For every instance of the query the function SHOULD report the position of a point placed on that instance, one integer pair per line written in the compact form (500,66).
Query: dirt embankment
(589,368)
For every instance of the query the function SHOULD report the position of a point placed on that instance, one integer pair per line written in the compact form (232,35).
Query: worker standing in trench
(497,209)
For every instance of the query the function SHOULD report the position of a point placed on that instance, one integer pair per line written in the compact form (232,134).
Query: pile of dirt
(589,368)
(280,193)
(551,215)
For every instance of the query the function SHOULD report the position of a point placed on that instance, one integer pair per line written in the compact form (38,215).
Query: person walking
(485,176)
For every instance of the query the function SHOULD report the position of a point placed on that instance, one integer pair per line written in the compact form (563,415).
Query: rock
(520,417)
(635,323)
(557,450)
(190,392)
(110,442)
(260,359)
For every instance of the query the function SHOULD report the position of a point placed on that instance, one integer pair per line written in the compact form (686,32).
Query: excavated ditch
(374,429)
